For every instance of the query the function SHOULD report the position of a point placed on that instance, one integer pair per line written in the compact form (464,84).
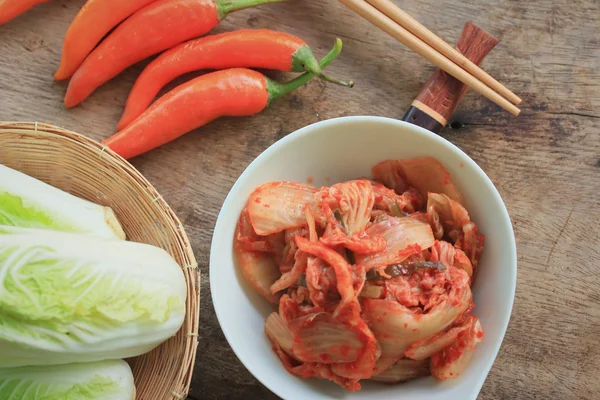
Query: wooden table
(545,163)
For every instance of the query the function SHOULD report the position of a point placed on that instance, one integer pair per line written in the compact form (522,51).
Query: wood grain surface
(545,163)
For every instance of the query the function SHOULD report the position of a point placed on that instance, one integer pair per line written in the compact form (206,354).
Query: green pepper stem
(304,60)
(319,72)
(277,90)
(225,7)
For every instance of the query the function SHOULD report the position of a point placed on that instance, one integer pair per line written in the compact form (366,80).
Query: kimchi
(371,278)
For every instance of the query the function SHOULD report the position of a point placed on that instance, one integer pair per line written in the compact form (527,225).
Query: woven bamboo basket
(81,166)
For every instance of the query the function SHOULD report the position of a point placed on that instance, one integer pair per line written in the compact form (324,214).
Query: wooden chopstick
(402,18)
(401,34)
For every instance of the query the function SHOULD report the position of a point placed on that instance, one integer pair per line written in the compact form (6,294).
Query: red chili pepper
(95,19)
(262,48)
(232,92)
(156,27)
(10,9)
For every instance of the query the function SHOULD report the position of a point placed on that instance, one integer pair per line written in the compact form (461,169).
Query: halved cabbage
(77,298)
(102,380)
(30,203)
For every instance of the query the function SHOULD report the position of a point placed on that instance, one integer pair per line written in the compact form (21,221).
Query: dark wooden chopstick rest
(441,95)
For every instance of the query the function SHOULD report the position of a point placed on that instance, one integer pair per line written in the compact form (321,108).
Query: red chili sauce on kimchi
(371,278)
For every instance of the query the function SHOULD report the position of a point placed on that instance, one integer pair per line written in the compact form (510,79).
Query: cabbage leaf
(30,203)
(75,298)
(103,380)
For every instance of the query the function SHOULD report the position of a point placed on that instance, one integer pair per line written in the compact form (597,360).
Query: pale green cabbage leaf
(76,298)
(30,203)
(101,380)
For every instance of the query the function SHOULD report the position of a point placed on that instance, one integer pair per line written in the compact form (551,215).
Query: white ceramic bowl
(341,149)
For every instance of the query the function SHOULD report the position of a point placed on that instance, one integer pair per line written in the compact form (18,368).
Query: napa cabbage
(30,203)
(102,380)
(68,297)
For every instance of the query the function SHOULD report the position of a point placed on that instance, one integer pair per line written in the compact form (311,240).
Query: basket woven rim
(183,245)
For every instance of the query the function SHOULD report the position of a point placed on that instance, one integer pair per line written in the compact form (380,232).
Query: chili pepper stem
(276,89)
(316,70)
(304,60)
(225,7)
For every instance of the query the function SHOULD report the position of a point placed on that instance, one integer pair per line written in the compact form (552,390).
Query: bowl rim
(311,129)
